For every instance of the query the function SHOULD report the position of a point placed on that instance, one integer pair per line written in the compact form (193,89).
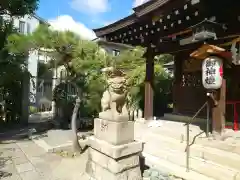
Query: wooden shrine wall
(188,92)
(190,95)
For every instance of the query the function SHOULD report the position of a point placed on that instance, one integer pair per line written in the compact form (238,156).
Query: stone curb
(176,170)
(52,149)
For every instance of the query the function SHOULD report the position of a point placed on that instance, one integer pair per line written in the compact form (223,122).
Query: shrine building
(191,30)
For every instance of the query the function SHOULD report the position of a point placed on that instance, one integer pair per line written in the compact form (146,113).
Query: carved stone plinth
(97,172)
(112,132)
(113,116)
(113,153)
(113,162)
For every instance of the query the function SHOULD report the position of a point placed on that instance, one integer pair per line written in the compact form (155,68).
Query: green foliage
(82,60)
(163,58)
(92,93)
(132,62)
(13,66)
(18,7)
(131,59)
(32,110)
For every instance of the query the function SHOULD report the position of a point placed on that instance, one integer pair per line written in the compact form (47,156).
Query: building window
(28,28)
(21,26)
(116,52)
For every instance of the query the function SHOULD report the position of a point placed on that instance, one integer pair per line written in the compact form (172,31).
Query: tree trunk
(76,146)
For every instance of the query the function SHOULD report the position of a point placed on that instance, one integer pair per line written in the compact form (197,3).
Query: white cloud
(100,22)
(139,2)
(131,12)
(90,6)
(66,22)
(108,23)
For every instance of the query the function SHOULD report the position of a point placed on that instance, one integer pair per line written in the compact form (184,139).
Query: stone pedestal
(115,133)
(113,153)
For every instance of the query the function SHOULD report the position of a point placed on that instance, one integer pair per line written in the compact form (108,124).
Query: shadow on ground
(3,162)
(23,131)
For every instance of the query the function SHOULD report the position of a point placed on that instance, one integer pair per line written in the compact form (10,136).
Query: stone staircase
(209,158)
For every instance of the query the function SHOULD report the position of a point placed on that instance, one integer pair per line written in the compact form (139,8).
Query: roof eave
(41,19)
(139,11)
(102,41)
(123,20)
(142,6)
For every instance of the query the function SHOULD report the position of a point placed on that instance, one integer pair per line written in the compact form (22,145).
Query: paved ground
(24,160)
(63,136)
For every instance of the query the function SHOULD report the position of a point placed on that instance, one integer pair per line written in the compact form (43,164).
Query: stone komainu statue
(114,97)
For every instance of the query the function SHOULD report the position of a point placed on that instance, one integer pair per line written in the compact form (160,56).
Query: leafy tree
(82,61)
(12,66)
(132,62)
(164,58)
(18,7)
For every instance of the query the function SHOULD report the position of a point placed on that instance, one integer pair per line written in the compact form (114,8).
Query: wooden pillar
(177,81)
(218,111)
(148,102)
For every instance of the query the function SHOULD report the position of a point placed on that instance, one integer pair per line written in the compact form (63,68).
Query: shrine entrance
(188,83)
(179,27)
(190,95)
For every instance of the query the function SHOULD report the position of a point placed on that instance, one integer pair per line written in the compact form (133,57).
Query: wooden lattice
(191,80)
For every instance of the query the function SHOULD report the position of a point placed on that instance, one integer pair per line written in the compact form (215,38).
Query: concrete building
(110,47)
(45,83)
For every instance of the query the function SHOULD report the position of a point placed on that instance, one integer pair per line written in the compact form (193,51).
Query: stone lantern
(205,30)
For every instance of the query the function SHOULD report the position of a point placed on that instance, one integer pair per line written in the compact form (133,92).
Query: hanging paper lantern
(212,72)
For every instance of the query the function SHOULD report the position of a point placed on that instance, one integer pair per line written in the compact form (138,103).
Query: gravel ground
(154,174)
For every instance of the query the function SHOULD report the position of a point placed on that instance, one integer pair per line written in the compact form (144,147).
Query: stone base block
(97,172)
(114,132)
(113,116)
(113,165)
(113,151)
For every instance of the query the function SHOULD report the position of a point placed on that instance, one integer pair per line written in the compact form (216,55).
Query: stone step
(172,124)
(164,165)
(218,156)
(199,165)
(233,147)
(177,131)
(179,134)
(204,166)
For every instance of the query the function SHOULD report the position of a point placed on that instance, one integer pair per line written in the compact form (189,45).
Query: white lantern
(212,72)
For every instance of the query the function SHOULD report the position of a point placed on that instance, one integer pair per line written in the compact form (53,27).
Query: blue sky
(83,15)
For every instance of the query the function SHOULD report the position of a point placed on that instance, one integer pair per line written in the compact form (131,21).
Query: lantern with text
(212,73)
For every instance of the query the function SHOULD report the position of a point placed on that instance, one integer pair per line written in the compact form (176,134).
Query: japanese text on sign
(212,73)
